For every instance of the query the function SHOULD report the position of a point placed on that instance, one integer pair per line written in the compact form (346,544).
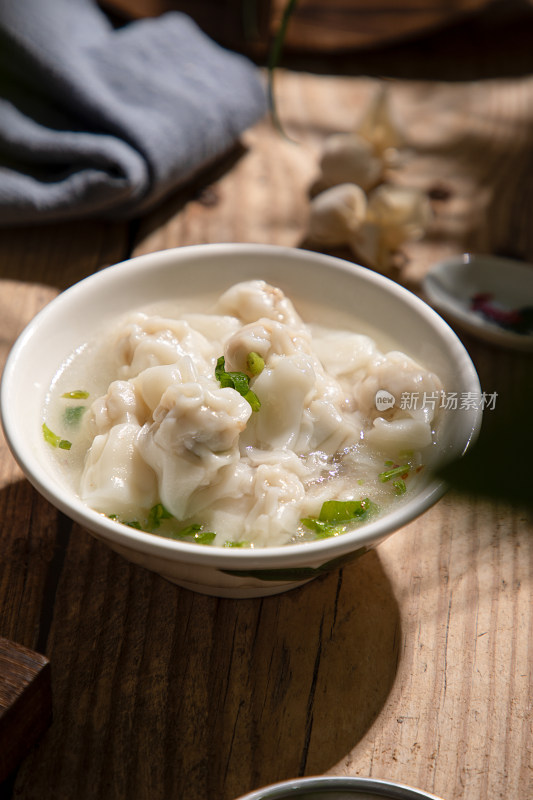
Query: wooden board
(25,702)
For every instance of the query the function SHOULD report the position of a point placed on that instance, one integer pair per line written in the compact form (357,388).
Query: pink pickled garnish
(483,302)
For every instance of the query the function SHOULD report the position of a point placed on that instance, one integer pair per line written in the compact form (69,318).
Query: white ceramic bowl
(74,317)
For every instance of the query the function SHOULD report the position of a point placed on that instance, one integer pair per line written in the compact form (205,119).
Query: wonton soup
(242,426)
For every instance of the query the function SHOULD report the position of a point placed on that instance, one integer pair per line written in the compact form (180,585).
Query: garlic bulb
(348,158)
(401,212)
(361,157)
(336,214)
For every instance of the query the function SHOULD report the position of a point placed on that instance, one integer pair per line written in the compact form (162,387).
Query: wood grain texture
(414,663)
(25,702)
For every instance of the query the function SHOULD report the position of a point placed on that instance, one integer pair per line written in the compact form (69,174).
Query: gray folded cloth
(103,121)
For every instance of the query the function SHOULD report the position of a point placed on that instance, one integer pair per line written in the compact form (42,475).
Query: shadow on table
(154,685)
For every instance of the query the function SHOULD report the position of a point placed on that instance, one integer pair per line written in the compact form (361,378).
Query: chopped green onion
(204,537)
(238,381)
(344,510)
(321,528)
(55,440)
(190,530)
(255,363)
(78,394)
(73,414)
(156,514)
(133,523)
(395,472)
(335,516)
(399,486)
(196,533)
(237,544)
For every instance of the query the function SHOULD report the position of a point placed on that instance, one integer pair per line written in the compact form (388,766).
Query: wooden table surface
(413,664)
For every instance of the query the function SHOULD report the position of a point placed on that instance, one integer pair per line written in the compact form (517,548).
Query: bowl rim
(324,783)
(226,558)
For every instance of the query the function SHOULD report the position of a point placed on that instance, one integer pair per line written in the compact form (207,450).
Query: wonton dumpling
(251,300)
(116,479)
(285,387)
(399,434)
(119,405)
(344,353)
(265,337)
(154,341)
(275,512)
(194,434)
(416,391)
(153,382)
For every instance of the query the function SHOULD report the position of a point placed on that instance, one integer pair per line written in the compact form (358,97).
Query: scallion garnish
(238,381)
(231,543)
(395,472)
(155,515)
(54,440)
(196,533)
(77,394)
(204,537)
(255,363)
(73,414)
(336,515)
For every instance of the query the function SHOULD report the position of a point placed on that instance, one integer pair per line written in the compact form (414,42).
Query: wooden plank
(25,702)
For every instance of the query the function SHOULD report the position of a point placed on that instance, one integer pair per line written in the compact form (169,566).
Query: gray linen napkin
(98,121)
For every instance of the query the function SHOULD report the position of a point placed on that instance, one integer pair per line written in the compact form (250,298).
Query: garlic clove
(336,214)
(402,212)
(348,158)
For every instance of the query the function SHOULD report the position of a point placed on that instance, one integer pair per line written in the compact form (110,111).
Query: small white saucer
(452,285)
